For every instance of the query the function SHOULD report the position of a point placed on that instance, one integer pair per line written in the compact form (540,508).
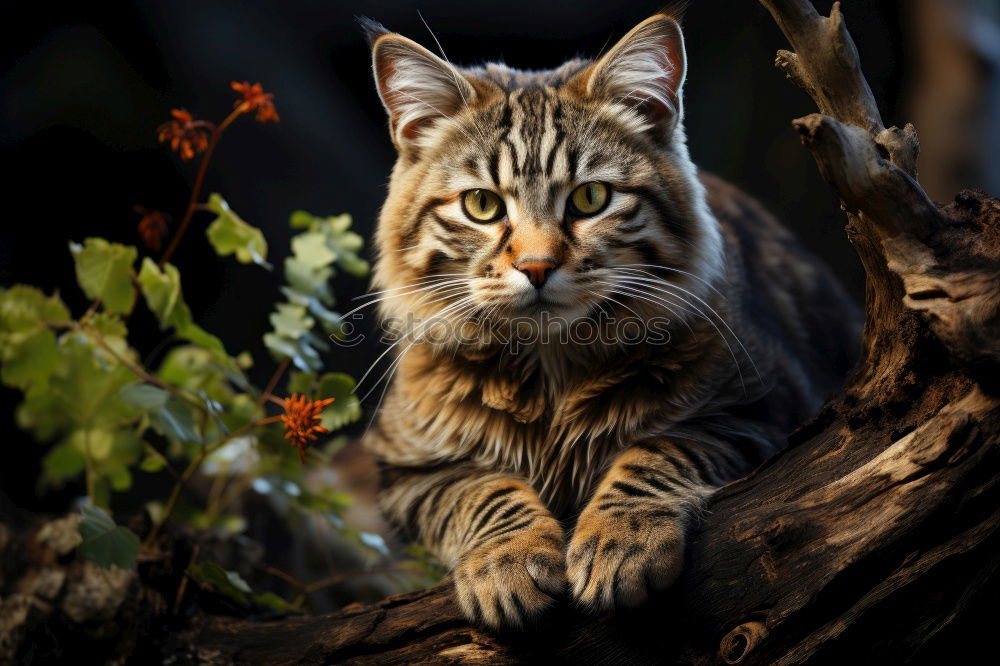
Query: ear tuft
(676,9)
(417,87)
(646,70)
(371,28)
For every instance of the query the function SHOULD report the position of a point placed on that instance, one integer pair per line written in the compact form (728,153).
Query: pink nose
(537,270)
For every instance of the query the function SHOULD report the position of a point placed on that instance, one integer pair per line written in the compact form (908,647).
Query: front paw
(620,550)
(510,580)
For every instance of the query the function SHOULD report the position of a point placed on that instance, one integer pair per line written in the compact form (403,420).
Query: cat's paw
(510,580)
(619,553)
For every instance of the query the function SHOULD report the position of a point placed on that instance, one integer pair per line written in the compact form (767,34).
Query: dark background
(84,85)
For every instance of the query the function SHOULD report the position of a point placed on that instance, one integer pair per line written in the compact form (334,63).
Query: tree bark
(872,537)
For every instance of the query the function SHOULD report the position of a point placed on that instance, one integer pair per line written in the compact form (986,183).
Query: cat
(532,219)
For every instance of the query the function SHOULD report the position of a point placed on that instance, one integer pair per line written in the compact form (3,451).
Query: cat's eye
(482,205)
(588,199)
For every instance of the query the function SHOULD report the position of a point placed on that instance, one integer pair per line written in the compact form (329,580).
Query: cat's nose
(537,270)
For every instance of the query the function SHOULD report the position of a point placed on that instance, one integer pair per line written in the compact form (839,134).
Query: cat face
(562,192)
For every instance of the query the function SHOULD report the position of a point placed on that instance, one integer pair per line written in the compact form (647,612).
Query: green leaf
(274,602)
(120,478)
(280,346)
(144,396)
(346,407)
(300,219)
(104,271)
(175,420)
(323,500)
(325,242)
(107,324)
(300,351)
(33,360)
(162,291)
(228,583)
(311,249)
(345,244)
(104,542)
(328,240)
(331,321)
(229,234)
(152,463)
(82,392)
(309,281)
(126,449)
(64,461)
(291,321)
(301,382)
(28,349)
(24,308)
(95,442)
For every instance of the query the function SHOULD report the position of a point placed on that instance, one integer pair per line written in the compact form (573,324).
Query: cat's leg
(504,547)
(629,538)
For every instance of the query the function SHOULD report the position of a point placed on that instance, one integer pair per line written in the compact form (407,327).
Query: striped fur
(565,465)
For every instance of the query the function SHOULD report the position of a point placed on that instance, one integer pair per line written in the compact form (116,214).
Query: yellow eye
(589,199)
(482,205)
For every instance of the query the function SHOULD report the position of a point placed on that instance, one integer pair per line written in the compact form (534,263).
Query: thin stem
(91,310)
(89,460)
(305,589)
(192,467)
(137,370)
(199,181)
(166,463)
(184,579)
(214,493)
(278,372)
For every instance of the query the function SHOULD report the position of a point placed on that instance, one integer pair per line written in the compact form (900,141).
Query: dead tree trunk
(872,537)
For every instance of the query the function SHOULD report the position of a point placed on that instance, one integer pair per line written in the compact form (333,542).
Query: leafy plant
(108,418)
(105,543)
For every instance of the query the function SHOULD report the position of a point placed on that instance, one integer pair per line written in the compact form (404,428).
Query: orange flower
(301,419)
(186,135)
(255,99)
(152,227)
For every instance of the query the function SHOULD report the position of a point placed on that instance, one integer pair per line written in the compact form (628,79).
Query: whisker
(669,285)
(627,291)
(717,330)
(415,283)
(674,270)
(393,345)
(454,284)
(454,76)
(617,302)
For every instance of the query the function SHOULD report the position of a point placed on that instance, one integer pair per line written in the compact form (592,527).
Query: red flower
(301,419)
(152,227)
(255,99)
(186,135)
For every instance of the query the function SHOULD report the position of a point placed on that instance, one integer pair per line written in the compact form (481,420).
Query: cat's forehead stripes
(537,145)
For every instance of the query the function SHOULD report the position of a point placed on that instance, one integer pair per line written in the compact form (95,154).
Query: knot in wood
(739,642)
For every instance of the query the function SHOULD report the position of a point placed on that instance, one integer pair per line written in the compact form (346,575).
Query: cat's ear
(417,87)
(645,69)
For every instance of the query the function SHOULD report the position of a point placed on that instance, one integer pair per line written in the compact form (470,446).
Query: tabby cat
(564,201)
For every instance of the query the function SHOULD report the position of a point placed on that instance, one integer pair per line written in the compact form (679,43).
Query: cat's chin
(551,312)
